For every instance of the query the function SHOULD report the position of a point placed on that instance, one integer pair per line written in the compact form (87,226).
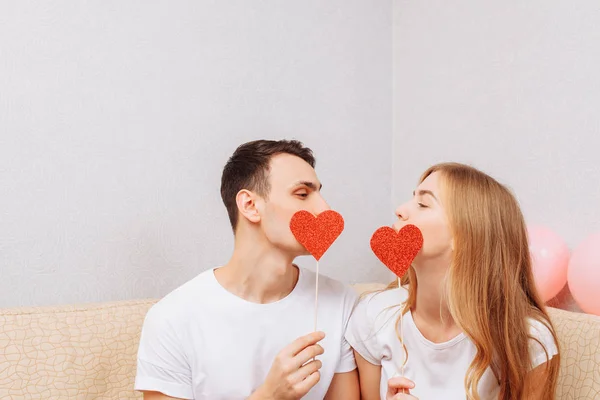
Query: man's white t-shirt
(438,369)
(203,342)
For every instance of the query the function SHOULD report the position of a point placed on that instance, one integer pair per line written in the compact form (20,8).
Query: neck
(258,272)
(430,312)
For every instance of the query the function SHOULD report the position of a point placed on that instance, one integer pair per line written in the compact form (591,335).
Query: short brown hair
(248,168)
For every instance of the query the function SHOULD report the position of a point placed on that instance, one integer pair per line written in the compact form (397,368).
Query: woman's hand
(399,389)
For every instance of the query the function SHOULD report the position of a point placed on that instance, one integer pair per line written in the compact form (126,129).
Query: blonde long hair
(490,289)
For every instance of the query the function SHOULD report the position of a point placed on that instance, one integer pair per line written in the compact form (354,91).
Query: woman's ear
(246,204)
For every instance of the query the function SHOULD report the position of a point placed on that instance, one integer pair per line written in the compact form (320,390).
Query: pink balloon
(550,258)
(584,274)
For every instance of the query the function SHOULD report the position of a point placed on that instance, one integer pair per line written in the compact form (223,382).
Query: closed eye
(421,205)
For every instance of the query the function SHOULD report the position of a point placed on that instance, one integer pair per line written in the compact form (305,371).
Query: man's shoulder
(178,302)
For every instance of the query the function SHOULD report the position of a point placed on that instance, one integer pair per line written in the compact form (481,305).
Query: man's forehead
(289,170)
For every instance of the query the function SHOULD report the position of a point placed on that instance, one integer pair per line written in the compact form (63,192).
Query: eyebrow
(309,184)
(425,192)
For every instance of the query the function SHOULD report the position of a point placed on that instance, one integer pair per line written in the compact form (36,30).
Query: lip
(396,227)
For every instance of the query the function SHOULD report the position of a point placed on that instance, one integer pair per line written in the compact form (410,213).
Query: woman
(467,321)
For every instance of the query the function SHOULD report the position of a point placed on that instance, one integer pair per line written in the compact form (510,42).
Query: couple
(467,314)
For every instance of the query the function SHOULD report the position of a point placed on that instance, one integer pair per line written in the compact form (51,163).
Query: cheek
(275,220)
(436,238)
(276,225)
(278,211)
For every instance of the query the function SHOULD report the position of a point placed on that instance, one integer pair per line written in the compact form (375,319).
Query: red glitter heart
(318,233)
(397,250)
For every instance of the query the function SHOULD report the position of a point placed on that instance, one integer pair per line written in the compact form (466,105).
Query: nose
(402,212)
(321,205)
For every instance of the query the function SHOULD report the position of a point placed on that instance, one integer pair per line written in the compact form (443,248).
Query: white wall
(117,117)
(512,88)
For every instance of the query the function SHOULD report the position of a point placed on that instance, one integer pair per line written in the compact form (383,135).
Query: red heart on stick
(397,250)
(317,233)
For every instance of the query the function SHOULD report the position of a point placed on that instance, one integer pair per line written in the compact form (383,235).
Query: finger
(303,342)
(308,354)
(393,392)
(400,382)
(306,370)
(402,396)
(307,384)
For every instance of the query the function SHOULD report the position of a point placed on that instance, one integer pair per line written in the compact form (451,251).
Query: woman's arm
(369,377)
(344,386)
(536,381)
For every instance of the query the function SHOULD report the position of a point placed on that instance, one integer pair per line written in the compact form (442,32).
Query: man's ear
(246,204)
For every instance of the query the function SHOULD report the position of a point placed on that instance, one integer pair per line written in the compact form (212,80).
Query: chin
(300,252)
(292,250)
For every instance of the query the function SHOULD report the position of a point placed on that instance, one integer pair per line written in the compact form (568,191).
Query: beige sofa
(89,351)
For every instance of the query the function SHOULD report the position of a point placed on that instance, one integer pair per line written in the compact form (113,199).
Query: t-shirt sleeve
(541,344)
(347,362)
(162,364)
(361,332)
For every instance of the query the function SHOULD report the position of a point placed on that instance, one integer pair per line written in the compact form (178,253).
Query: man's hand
(399,389)
(291,376)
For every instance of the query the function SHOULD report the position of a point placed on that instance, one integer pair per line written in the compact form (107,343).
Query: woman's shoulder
(539,329)
(382,303)
(542,346)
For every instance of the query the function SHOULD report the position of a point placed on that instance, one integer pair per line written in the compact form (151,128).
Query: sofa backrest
(74,352)
(579,344)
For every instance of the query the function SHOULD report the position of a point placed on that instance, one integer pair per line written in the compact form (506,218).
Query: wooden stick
(402,337)
(316,299)
(316,295)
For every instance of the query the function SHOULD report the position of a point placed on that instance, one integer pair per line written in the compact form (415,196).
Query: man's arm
(162,359)
(159,396)
(344,386)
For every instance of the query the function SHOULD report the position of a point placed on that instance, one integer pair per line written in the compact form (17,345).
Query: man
(241,331)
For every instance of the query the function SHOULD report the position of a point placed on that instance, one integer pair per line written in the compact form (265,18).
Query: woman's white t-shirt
(438,369)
